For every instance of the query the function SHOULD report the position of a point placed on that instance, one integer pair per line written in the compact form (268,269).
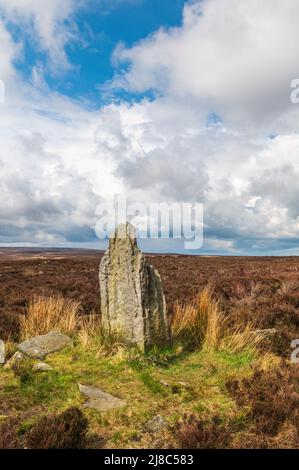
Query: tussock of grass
(287,286)
(242,338)
(55,313)
(154,357)
(91,336)
(202,324)
(198,323)
(45,314)
(10,347)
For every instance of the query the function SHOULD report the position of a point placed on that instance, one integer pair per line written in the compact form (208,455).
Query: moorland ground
(212,397)
(260,289)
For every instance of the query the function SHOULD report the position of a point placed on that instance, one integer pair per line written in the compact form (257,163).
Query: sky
(157,100)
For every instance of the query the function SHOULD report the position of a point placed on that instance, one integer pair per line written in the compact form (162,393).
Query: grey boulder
(40,346)
(42,367)
(155,424)
(99,400)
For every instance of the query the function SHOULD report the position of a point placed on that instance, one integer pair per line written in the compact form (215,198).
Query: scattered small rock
(163,382)
(14,360)
(42,367)
(178,387)
(183,384)
(99,400)
(155,424)
(40,346)
(2,352)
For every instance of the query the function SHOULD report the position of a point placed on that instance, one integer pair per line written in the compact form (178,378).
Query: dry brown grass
(288,286)
(89,332)
(91,336)
(55,313)
(198,323)
(239,338)
(45,314)
(202,324)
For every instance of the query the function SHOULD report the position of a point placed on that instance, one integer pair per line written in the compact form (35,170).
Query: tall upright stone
(132,298)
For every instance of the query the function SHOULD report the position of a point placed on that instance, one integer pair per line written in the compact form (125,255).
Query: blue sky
(157,100)
(100,27)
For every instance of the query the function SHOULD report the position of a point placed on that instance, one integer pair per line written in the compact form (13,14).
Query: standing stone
(132,298)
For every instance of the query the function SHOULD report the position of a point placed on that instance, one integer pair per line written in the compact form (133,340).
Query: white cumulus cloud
(236,57)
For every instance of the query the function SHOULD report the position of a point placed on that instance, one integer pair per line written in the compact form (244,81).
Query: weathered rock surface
(132,298)
(2,352)
(164,383)
(42,367)
(155,424)
(14,360)
(99,400)
(40,346)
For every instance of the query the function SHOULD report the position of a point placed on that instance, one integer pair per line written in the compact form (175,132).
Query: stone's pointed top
(124,235)
(126,230)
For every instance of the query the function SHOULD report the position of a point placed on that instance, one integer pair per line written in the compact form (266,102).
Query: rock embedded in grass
(42,367)
(14,360)
(155,424)
(132,297)
(99,400)
(2,352)
(41,346)
(163,382)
